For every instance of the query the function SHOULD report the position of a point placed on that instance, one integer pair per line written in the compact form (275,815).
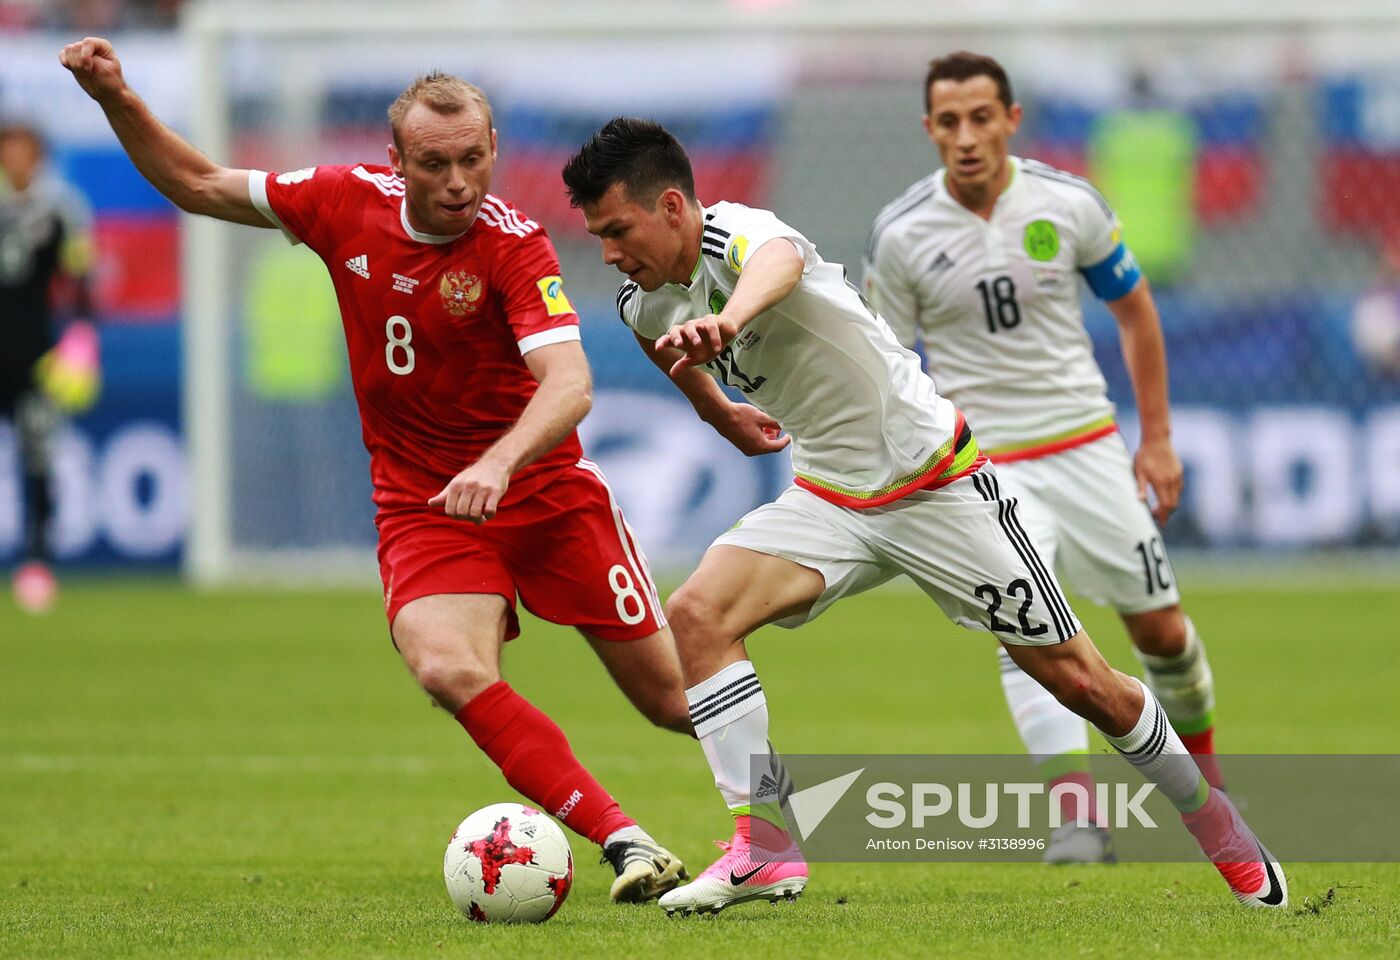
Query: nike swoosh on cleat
(741,878)
(1275,896)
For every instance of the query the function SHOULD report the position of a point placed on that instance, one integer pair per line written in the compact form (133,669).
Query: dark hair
(639,154)
(963,65)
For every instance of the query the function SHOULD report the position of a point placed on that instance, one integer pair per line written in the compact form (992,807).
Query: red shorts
(564,548)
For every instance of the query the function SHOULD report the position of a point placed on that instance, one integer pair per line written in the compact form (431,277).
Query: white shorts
(1082,509)
(961,543)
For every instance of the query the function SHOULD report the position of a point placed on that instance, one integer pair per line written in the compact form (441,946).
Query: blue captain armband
(1115,276)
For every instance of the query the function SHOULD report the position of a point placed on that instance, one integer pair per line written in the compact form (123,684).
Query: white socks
(1183,684)
(633,832)
(1047,727)
(1154,748)
(730,715)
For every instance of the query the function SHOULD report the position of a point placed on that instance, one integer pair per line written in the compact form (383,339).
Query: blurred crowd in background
(1256,172)
(88,16)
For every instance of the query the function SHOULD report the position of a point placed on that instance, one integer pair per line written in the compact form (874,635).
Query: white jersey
(866,424)
(996,302)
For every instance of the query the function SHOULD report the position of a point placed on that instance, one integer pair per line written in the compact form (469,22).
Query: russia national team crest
(460,291)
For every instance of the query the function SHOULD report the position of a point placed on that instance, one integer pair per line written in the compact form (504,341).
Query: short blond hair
(441,93)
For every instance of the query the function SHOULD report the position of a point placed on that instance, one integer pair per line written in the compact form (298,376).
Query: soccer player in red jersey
(470,378)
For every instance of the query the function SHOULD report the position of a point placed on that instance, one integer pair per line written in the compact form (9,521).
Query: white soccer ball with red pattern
(508,863)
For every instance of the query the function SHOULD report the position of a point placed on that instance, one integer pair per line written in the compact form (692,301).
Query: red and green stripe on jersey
(1055,443)
(957,457)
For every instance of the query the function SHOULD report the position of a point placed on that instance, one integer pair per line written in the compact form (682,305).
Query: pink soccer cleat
(35,588)
(1254,876)
(766,866)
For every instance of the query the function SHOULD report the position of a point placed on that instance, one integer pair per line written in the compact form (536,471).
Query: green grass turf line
(188,775)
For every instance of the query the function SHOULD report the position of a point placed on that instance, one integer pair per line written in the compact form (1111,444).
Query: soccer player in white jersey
(982,260)
(889,481)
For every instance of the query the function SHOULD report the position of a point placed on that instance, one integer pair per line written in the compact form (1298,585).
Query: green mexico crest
(1042,240)
(717,301)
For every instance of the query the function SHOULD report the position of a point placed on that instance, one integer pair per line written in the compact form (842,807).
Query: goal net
(1253,154)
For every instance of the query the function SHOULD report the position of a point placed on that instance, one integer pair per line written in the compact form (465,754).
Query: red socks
(1202,748)
(534,755)
(1070,801)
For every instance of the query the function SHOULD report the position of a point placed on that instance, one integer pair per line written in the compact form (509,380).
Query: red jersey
(436,327)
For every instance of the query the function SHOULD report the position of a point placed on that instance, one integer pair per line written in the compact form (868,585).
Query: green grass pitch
(255,775)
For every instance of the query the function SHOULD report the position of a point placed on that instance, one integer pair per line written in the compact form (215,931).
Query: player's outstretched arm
(770,274)
(1145,354)
(751,430)
(185,176)
(562,400)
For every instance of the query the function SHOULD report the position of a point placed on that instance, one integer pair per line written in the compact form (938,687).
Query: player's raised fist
(95,66)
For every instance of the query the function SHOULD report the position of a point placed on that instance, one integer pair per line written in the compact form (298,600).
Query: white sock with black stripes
(1183,683)
(1154,748)
(730,715)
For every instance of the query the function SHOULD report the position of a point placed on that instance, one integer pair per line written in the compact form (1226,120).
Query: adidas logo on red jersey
(359,265)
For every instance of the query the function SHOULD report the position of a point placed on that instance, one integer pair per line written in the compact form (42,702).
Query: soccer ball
(508,864)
